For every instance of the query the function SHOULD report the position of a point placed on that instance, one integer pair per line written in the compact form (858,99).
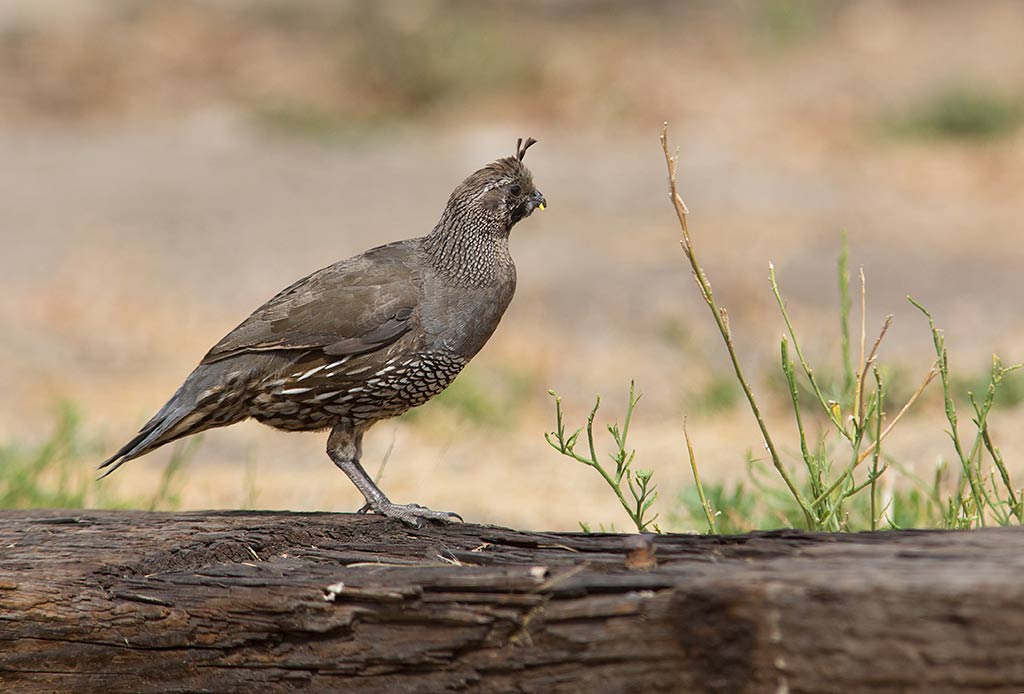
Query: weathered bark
(266,602)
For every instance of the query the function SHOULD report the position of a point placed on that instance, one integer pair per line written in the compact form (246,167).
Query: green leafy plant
(963,112)
(830,490)
(638,483)
(843,479)
(783,23)
(978,494)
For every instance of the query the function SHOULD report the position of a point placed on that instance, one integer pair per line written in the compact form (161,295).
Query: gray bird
(364,339)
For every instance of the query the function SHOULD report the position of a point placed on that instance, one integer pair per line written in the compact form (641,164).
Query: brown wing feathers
(351,307)
(354,307)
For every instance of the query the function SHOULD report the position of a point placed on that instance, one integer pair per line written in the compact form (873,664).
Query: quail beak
(536,202)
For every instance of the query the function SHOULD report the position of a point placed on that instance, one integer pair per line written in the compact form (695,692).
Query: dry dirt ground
(143,218)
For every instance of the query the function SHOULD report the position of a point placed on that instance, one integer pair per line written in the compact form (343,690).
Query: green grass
(780,24)
(309,121)
(719,394)
(60,472)
(958,112)
(840,477)
(413,61)
(392,63)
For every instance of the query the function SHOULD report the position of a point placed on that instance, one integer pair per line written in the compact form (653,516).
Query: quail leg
(344,446)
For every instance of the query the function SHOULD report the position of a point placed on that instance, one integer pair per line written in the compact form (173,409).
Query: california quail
(366,338)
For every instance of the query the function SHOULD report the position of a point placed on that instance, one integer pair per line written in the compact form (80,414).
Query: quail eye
(516,190)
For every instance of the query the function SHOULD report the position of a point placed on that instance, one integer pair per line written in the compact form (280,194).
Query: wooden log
(107,601)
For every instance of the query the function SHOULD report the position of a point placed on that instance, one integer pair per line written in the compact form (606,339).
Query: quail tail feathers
(180,417)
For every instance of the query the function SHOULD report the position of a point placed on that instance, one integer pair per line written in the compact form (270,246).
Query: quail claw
(414,514)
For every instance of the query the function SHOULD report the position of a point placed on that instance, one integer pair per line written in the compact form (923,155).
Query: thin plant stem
(870,361)
(997,458)
(808,371)
(721,320)
(566,446)
(846,475)
(386,458)
(639,483)
(966,471)
(878,447)
(903,410)
(787,369)
(858,389)
(998,372)
(982,441)
(705,506)
(844,314)
(870,449)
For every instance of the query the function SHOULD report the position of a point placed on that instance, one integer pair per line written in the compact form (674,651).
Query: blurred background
(166,166)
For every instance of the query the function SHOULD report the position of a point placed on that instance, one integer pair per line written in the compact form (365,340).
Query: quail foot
(366,338)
